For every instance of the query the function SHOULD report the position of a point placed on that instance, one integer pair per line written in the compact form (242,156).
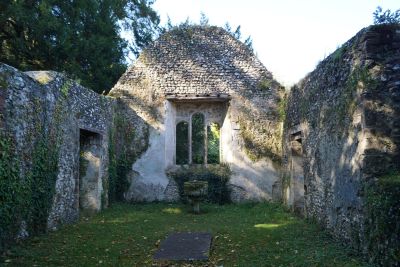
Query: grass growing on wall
(282,104)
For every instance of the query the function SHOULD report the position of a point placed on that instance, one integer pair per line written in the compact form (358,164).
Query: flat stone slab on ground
(185,246)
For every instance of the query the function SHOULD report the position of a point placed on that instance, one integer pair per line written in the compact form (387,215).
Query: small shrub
(282,104)
(386,17)
(383,220)
(217,177)
(265,84)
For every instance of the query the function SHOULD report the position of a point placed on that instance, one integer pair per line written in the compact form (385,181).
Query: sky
(290,37)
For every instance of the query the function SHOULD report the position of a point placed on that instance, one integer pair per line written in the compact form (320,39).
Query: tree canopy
(79,37)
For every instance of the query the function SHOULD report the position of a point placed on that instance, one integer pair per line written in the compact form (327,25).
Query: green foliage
(198,138)
(123,152)
(359,78)
(194,186)
(204,22)
(65,88)
(3,80)
(213,138)
(203,19)
(237,34)
(265,84)
(255,149)
(282,104)
(386,17)
(182,143)
(13,191)
(119,166)
(27,198)
(383,219)
(79,37)
(217,177)
(43,177)
(338,54)
(263,234)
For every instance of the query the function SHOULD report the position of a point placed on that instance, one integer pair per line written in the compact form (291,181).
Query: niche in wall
(296,173)
(90,184)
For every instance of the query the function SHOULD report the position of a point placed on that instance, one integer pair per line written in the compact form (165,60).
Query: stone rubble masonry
(342,123)
(203,62)
(348,113)
(30,101)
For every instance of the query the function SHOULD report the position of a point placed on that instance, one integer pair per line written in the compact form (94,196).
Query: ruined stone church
(198,96)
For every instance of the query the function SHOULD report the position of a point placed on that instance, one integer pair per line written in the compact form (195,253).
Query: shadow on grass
(261,234)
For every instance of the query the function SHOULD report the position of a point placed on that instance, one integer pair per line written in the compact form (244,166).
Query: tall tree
(79,37)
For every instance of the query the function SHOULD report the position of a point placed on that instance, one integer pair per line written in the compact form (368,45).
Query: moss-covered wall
(129,138)
(347,112)
(41,117)
(209,63)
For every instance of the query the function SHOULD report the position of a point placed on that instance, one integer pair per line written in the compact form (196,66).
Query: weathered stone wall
(42,112)
(205,62)
(347,113)
(86,110)
(129,138)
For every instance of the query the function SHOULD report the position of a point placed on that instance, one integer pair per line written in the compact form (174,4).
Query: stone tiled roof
(196,60)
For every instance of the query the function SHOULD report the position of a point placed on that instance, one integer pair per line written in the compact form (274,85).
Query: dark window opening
(182,143)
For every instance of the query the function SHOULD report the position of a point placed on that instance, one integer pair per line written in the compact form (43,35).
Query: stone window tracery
(197,142)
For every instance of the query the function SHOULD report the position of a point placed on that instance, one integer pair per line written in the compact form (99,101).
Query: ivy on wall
(256,147)
(29,198)
(382,223)
(43,177)
(14,192)
(124,149)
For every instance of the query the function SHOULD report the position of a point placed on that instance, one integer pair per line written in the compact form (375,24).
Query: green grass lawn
(128,235)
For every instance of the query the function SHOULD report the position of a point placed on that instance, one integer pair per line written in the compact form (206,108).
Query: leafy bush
(386,17)
(217,177)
